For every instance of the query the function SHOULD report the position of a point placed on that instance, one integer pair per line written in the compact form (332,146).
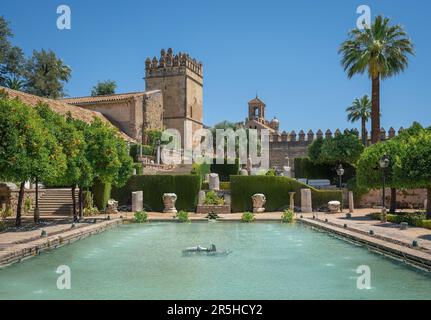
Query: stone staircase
(56,202)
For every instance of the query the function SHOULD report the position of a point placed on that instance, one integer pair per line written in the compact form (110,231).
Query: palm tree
(380,50)
(14,83)
(360,110)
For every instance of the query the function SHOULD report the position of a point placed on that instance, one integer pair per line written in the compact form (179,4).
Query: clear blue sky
(284,50)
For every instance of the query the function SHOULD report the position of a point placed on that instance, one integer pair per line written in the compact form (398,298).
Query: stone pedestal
(201,197)
(214,182)
(306,204)
(287,171)
(259,201)
(292,201)
(351,202)
(137,201)
(334,206)
(169,200)
(112,207)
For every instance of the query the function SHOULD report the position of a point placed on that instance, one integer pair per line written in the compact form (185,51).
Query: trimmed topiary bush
(276,191)
(101,194)
(186,187)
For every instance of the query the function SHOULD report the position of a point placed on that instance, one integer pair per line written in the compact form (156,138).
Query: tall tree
(104,88)
(382,51)
(23,147)
(11,59)
(360,110)
(46,74)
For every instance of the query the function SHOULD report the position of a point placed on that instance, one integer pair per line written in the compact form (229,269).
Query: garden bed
(218,209)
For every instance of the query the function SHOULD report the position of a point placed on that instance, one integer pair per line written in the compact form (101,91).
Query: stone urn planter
(334,206)
(259,201)
(169,200)
(112,207)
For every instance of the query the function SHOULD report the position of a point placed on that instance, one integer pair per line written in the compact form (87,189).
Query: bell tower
(256,110)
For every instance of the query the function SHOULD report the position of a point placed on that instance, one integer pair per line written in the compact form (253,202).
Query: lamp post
(340,172)
(384,164)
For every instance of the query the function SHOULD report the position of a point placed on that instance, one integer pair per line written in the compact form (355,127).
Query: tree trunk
(375,110)
(393,200)
(19,206)
(364,131)
(428,203)
(36,213)
(81,203)
(74,202)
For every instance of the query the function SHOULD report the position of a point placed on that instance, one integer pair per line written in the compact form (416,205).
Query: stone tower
(180,78)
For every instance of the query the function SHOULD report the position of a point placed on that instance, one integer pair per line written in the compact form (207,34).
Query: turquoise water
(268,261)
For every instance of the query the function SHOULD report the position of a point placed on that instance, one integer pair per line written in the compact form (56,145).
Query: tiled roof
(107,98)
(256,101)
(61,108)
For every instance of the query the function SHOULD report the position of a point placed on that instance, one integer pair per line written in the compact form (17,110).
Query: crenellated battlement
(170,61)
(309,136)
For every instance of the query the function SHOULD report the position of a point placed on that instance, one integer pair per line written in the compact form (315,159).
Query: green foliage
(141,216)
(358,191)
(102,193)
(343,148)
(416,219)
(107,154)
(183,216)
(247,217)
(271,172)
(154,186)
(135,150)
(225,170)
(287,216)
(224,185)
(139,168)
(276,190)
(205,185)
(369,173)
(46,74)
(305,168)
(381,50)
(212,215)
(201,169)
(27,205)
(211,198)
(5,213)
(88,202)
(90,211)
(104,88)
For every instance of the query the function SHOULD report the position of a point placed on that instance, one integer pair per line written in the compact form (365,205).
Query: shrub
(90,211)
(5,213)
(101,193)
(87,199)
(247,217)
(287,216)
(183,216)
(271,173)
(27,205)
(141,216)
(224,185)
(205,185)
(147,150)
(276,190)
(212,198)
(186,187)
(201,169)
(225,170)
(212,215)
(138,167)
(417,219)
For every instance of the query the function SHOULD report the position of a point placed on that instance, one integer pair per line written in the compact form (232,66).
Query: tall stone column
(292,201)
(137,201)
(306,204)
(351,202)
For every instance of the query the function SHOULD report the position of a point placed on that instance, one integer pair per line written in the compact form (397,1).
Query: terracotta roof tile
(107,98)
(61,108)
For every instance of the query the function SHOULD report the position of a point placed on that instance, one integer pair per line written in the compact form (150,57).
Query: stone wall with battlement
(294,145)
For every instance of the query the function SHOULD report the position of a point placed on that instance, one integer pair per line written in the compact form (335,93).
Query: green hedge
(305,168)
(225,170)
(413,219)
(101,194)
(186,187)
(201,169)
(138,167)
(276,190)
